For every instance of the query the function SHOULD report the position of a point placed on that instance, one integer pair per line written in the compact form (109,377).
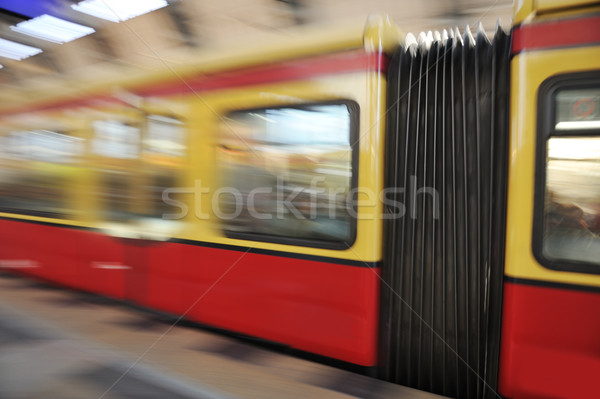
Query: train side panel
(551,312)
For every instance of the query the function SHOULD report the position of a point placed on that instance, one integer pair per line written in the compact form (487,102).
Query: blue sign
(30,8)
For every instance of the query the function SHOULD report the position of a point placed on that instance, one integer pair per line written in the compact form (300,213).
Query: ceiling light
(16,51)
(53,29)
(118,10)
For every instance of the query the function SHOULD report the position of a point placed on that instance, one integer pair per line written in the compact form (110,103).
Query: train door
(135,156)
(114,158)
(155,275)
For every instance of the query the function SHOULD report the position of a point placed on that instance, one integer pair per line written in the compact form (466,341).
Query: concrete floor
(64,344)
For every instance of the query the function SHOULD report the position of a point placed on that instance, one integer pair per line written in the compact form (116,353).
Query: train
(426,208)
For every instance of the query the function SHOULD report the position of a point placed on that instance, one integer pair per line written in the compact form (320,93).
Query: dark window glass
(571,219)
(287,173)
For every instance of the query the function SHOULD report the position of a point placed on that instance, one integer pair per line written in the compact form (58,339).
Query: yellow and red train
(429,210)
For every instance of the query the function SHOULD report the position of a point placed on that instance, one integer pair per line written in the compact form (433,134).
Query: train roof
(378,34)
(526,11)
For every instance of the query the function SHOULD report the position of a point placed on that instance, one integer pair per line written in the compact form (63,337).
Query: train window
(165,136)
(116,145)
(287,173)
(39,168)
(164,149)
(570,226)
(115,139)
(572,208)
(137,159)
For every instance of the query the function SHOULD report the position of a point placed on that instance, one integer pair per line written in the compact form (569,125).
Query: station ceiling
(173,32)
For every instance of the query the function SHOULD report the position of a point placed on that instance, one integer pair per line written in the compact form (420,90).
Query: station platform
(59,343)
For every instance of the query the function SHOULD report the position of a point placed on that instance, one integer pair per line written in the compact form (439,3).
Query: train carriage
(428,210)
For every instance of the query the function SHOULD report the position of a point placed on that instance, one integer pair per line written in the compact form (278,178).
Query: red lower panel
(102,267)
(39,250)
(550,343)
(318,307)
(315,306)
(157,278)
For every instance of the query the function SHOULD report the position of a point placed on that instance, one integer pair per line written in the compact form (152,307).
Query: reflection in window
(136,162)
(165,136)
(287,172)
(116,144)
(116,139)
(39,167)
(164,150)
(572,209)
(45,146)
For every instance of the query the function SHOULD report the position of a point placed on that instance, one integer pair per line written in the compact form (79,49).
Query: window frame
(545,129)
(354,130)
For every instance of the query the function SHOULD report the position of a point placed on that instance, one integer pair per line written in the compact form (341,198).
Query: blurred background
(145,34)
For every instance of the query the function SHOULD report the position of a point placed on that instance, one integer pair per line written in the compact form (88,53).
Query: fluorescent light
(578,125)
(118,10)
(53,29)
(16,51)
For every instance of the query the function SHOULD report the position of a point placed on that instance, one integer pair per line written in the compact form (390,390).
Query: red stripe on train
(550,342)
(572,32)
(284,71)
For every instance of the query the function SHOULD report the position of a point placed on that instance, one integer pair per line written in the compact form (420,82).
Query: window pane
(116,145)
(136,161)
(572,209)
(114,139)
(287,172)
(165,136)
(578,109)
(164,151)
(38,173)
